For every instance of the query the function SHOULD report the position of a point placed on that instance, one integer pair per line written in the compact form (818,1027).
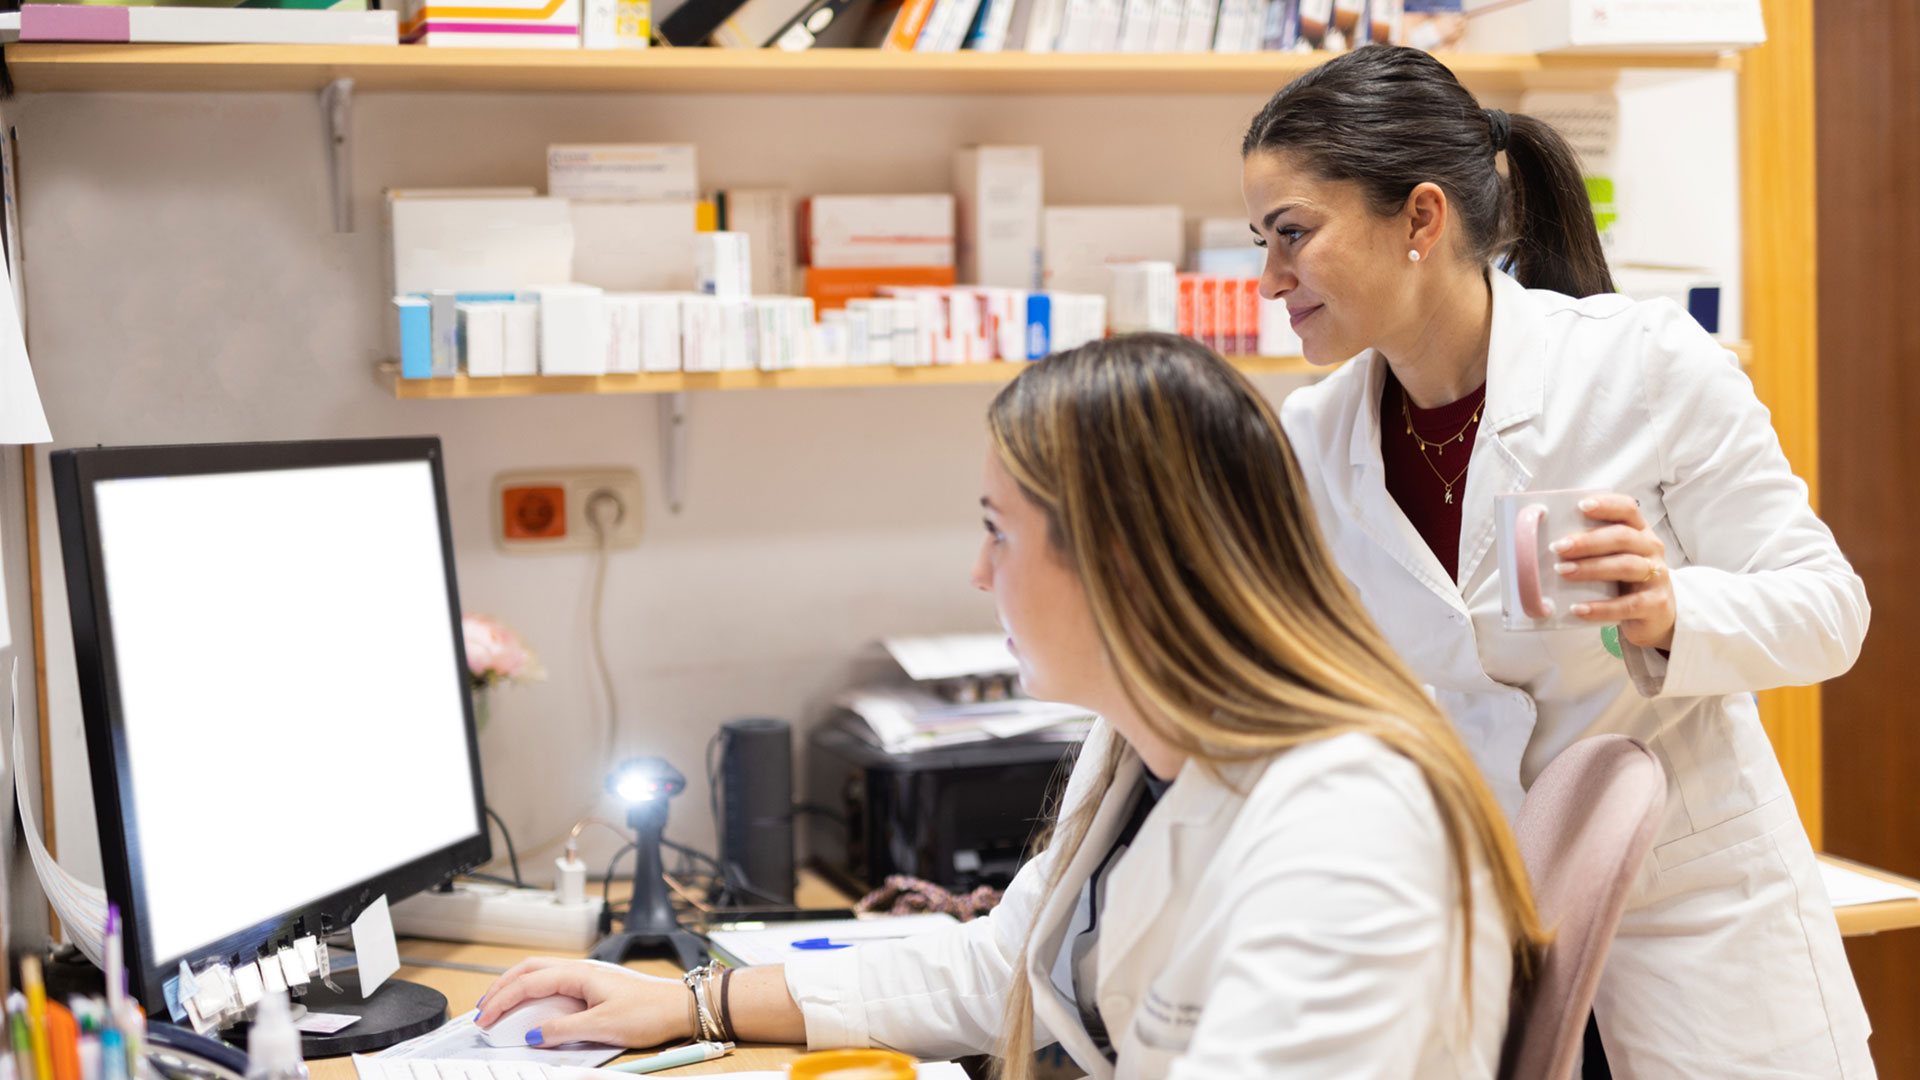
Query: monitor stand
(398,1011)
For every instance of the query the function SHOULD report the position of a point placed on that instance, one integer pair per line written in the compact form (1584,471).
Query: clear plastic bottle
(273,1043)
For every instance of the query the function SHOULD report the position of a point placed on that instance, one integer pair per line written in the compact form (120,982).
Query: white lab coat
(1728,962)
(1306,928)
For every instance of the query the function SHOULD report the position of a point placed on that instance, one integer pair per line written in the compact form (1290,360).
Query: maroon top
(1421,487)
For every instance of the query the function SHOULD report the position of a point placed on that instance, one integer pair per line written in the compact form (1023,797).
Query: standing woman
(1373,182)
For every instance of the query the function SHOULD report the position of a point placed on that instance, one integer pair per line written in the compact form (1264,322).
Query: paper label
(375,946)
(325,1023)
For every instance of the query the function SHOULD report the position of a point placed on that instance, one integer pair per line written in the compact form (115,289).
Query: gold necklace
(1458,436)
(1406,413)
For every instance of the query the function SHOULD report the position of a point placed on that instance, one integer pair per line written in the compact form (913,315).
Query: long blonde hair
(1171,489)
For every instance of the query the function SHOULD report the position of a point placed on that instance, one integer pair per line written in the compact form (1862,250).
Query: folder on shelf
(253,26)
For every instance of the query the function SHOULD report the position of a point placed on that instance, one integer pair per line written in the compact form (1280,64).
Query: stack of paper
(746,944)
(908,719)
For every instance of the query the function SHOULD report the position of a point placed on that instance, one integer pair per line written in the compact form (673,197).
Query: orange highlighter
(63,1041)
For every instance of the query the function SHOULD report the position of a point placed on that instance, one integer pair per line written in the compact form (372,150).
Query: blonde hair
(1170,488)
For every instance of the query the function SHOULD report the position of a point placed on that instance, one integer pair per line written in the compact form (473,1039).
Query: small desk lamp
(645,785)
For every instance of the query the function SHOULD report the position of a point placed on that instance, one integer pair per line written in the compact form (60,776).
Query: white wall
(184,285)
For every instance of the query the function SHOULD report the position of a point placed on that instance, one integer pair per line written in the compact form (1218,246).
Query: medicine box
(662,171)
(998,196)
(841,231)
(1526,26)
(492,24)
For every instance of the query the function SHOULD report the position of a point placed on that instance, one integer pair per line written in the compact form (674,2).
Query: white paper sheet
(773,943)
(952,655)
(374,946)
(82,907)
(21,418)
(1846,888)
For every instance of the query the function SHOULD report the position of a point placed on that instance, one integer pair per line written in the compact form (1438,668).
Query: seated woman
(1274,856)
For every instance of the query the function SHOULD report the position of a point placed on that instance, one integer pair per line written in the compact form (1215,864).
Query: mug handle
(1526,548)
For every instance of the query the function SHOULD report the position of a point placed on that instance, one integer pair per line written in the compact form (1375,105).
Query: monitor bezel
(75,473)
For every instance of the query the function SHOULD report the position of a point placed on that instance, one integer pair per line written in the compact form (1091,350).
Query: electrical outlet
(537,510)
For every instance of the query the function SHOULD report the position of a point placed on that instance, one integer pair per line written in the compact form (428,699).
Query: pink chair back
(1584,830)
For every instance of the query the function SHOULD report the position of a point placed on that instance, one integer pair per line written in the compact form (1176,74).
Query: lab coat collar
(1153,862)
(1050,1009)
(1516,394)
(1516,357)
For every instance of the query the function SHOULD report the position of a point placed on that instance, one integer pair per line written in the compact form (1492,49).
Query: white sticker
(375,946)
(308,950)
(325,1023)
(292,971)
(271,977)
(247,980)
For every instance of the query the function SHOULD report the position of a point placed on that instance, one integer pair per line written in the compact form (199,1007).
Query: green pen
(20,1036)
(671,1059)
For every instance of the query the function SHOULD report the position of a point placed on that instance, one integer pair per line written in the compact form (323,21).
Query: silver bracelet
(703,1010)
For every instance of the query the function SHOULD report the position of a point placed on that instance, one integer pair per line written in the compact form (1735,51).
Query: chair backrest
(1584,830)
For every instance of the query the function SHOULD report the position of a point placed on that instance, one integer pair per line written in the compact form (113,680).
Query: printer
(959,816)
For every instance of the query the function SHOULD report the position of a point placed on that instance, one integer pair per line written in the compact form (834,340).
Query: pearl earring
(1413,255)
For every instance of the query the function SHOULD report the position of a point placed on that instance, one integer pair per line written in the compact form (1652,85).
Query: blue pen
(820,944)
(671,1059)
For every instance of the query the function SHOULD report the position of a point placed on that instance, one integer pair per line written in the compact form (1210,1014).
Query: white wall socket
(547,510)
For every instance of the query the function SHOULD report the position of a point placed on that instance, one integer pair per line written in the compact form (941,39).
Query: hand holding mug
(1623,550)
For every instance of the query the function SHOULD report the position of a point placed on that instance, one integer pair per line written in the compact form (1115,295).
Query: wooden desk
(1862,919)
(463,988)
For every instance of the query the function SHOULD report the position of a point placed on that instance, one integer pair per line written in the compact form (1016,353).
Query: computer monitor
(273,678)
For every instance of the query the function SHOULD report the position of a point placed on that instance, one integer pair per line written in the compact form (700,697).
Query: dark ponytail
(1391,118)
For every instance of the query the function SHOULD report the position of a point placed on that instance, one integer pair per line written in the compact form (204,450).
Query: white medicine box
(1506,26)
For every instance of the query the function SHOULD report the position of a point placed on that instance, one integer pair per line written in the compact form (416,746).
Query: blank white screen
(288,685)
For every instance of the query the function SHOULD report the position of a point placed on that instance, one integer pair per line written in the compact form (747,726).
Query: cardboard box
(479,244)
(847,231)
(997,197)
(1523,26)
(492,24)
(483,339)
(722,265)
(572,331)
(656,171)
(1081,242)
(633,245)
(831,288)
(616,24)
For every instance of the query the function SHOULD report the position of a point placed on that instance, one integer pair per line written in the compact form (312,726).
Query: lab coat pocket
(1732,832)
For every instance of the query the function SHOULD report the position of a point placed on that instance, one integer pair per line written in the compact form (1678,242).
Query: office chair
(1584,830)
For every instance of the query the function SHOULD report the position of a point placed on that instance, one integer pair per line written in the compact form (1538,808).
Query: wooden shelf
(44,67)
(460,386)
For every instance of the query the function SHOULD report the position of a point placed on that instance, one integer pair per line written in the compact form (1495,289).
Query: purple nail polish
(533,1037)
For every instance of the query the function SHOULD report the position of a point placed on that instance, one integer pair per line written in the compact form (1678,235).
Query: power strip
(499,915)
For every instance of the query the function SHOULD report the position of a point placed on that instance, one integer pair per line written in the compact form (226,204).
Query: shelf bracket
(673,447)
(336,114)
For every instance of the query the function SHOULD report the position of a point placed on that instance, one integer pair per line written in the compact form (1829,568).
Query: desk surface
(1862,919)
(463,988)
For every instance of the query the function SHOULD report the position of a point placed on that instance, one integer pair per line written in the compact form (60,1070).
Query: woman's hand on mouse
(624,1007)
(1624,550)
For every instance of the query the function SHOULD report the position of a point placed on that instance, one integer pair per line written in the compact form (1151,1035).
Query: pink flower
(495,654)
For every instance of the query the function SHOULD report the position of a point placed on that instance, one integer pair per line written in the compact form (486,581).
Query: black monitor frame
(74,474)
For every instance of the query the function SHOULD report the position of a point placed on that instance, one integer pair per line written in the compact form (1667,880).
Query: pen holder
(852,1065)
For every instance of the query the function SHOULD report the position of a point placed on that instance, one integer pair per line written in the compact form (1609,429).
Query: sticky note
(375,946)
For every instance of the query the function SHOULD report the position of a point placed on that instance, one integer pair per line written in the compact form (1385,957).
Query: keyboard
(369,1068)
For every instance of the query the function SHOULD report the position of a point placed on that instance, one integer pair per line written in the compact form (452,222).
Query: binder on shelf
(695,21)
(819,23)
(908,24)
(757,24)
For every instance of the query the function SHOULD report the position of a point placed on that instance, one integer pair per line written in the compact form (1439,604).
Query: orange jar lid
(852,1065)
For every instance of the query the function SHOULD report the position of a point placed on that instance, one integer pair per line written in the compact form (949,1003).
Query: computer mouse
(512,1027)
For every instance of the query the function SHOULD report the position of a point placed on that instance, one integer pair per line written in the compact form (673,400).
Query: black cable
(695,853)
(493,879)
(606,883)
(512,859)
